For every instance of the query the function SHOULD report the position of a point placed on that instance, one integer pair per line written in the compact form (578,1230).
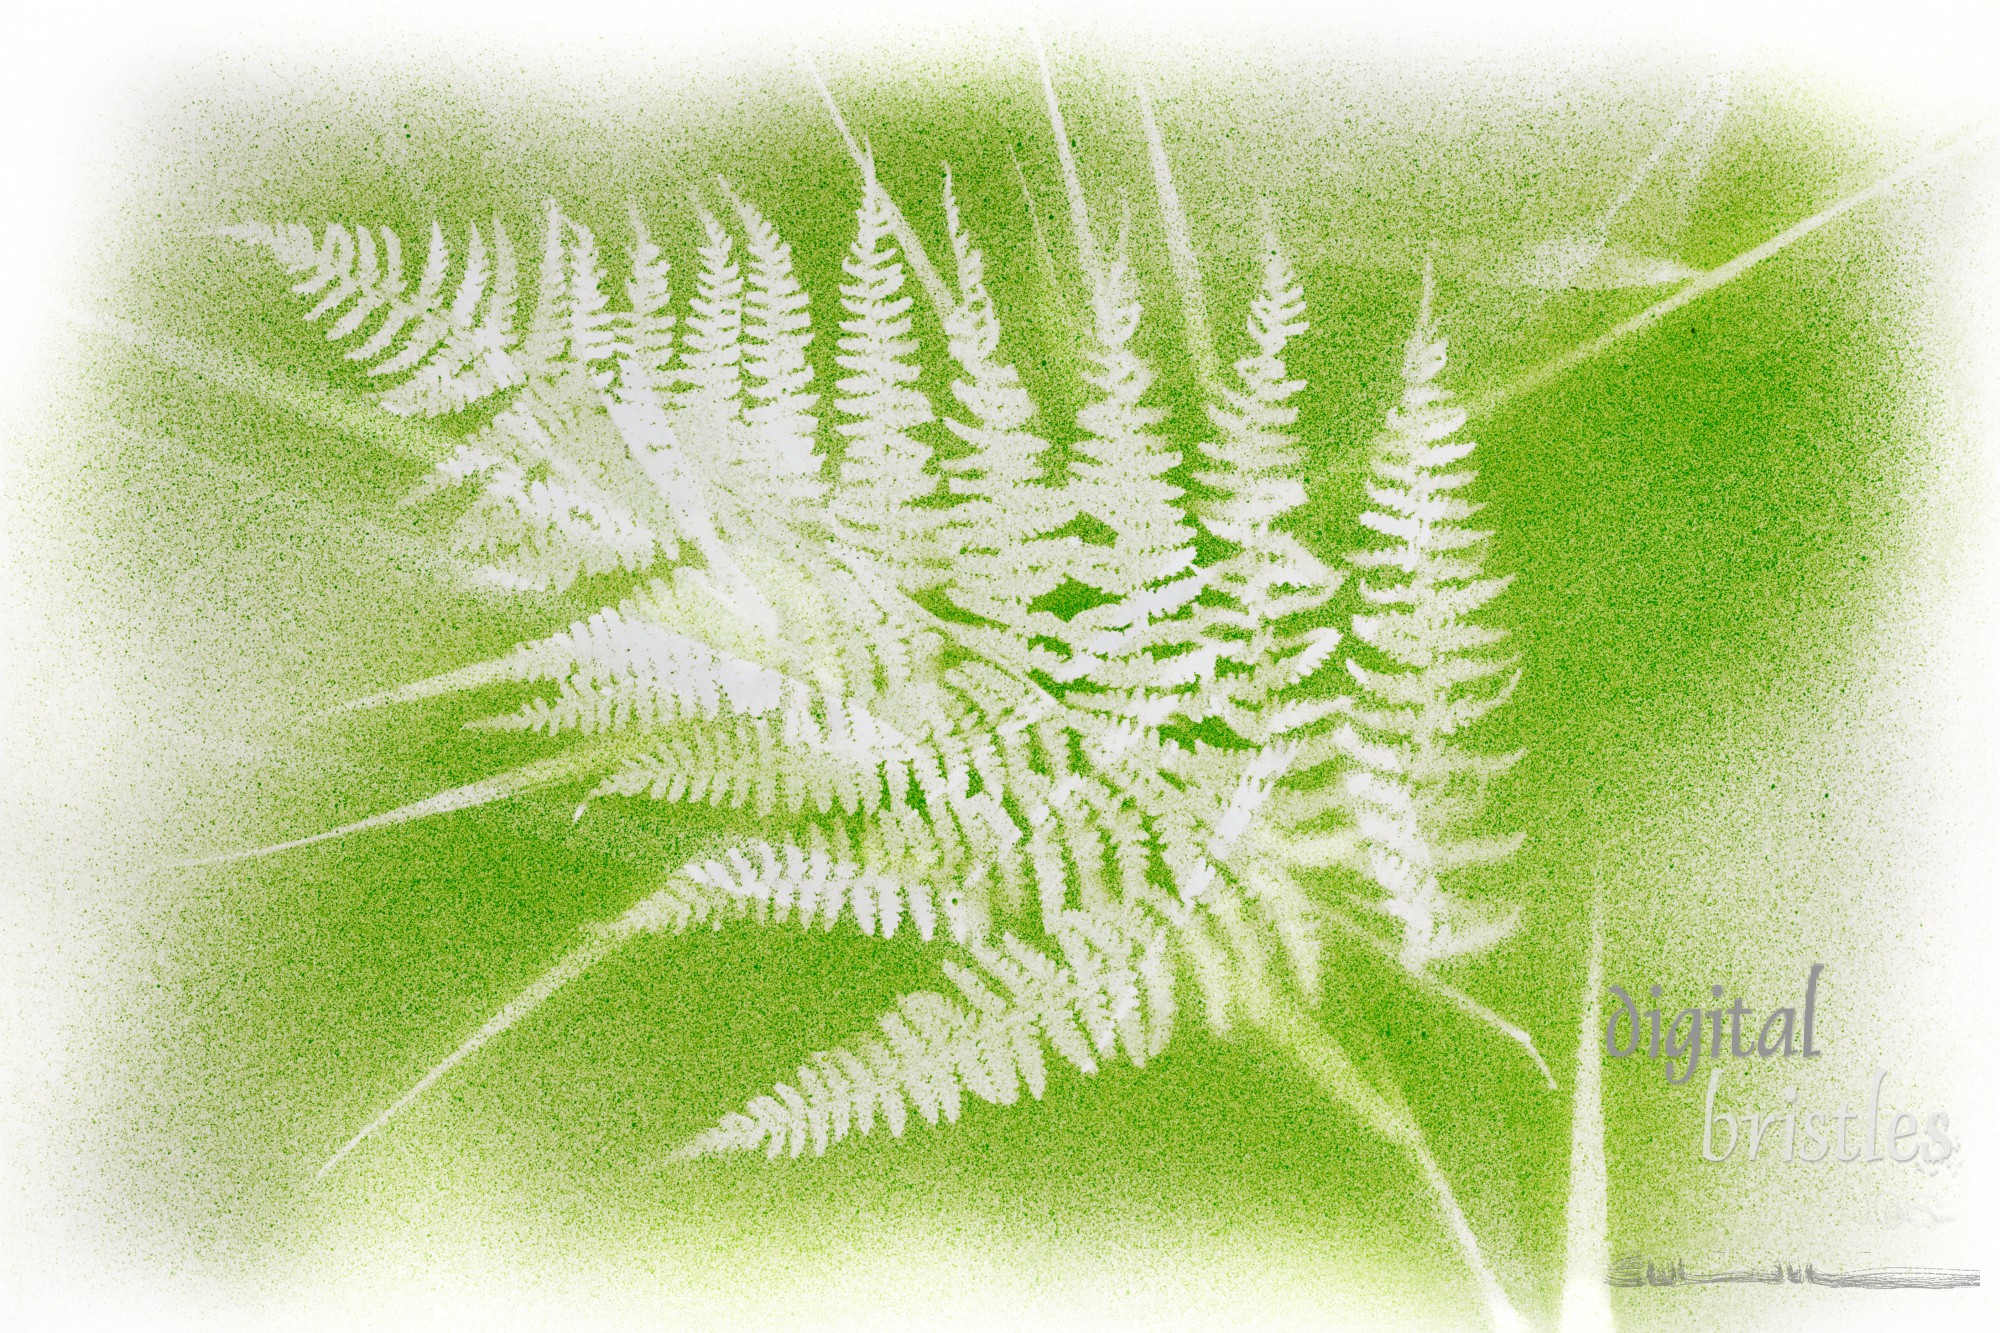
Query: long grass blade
(1383,1109)
(1056,289)
(1079,209)
(1645,170)
(1180,248)
(1500,1311)
(1552,370)
(899,226)
(1449,993)
(578,761)
(237,373)
(573,965)
(1586,1292)
(476,676)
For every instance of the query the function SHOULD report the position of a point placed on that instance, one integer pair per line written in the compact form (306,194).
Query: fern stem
(1287,1023)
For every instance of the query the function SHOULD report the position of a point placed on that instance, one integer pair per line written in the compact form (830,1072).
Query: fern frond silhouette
(1070,714)
(1412,785)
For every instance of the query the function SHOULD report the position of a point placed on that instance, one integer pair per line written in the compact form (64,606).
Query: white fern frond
(474,360)
(994,538)
(648,325)
(777,329)
(650,441)
(1256,480)
(545,337)
(712,348)
(885,470)
(1105,996)
(593,342)
(537,532)
(871,681)
(447,354)
(1054,702)
(1268,579)
(1122,470)
(1414,784)
(821,883)
(619,674)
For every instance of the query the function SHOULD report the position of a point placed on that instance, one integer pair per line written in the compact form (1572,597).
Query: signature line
(1634,1272)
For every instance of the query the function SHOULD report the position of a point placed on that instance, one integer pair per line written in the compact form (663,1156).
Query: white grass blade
(237,373)
(573,763)
(1555,369)
(1586,1291)
(1500,1311)
(1645,170)
(573,965)
(1056,289)
(1450,994)
(476,676)
(899,226)
(1079,210)
(1715,108)
(1180,250)
(1583,249)
(1335,1073)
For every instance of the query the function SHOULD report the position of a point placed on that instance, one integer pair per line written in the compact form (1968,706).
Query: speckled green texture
(1716,529)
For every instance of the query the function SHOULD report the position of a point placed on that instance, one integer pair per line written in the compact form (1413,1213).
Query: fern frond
(1413,785)
(997,565)
(885,469)
(822,882)
(474,360)
(1143,573)
(683,606)
(1123,467)
(646,329)
(651,442)
(750,764)
(1107,994)
(448,355)
(545,341)
(593,334)
(1027,742)
(1268,577)
(712,351)
(1255,480)
(616,672)
(534,531)
(777,329)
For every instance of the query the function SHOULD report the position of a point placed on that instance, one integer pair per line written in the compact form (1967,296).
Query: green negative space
(1687,518)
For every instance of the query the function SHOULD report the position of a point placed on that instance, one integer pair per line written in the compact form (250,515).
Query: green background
(1735,538)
